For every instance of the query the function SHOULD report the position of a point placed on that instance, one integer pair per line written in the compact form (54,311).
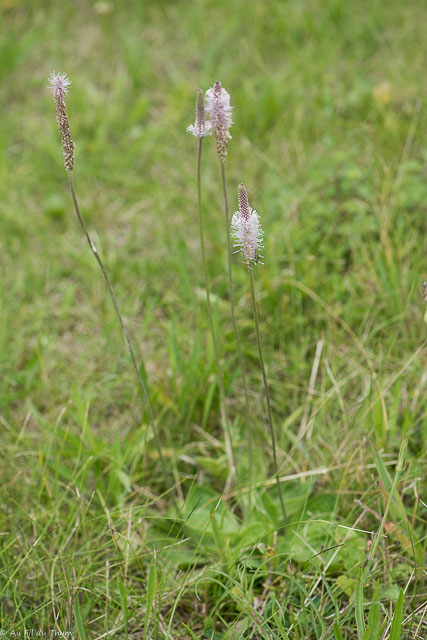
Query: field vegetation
(104,534)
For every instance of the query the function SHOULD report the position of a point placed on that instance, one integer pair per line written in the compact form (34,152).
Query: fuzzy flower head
(59,83)
(200,128)
(219,110)
(246,229)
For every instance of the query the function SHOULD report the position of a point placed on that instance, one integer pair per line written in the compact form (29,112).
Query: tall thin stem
(141,384)
(267,391)
(236,333)
(227,433)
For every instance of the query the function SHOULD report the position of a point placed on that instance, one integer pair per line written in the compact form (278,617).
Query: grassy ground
(328,137)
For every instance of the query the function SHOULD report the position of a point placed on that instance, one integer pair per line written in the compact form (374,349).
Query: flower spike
(246,229)
(219,109)
(201,128)
(59,83)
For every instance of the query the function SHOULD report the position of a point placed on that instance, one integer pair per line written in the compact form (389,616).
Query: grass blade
(392,493)
(192,634)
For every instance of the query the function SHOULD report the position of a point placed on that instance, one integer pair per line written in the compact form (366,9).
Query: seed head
(219,109)
(200,128)
(59,83)
(242,197)
(246,229)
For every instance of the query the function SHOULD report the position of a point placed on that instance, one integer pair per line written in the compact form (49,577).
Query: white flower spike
(246,229)
(219,110)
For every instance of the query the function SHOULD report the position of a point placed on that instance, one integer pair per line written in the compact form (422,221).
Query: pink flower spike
(201,128)
(59,82)
(246,229)
(219,109)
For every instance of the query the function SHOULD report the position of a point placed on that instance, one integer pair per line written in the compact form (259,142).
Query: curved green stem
(236,333)
(267,392)
(227,433)
(141,384)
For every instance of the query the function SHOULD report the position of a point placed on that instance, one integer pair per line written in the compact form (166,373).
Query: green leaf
(123,598)
(79,621)
(348,585)
(200,504)
(374,621)
(337,633)
(217,467)
(391,592)
(396,625)
(151,590)
(208,402)
(358,599)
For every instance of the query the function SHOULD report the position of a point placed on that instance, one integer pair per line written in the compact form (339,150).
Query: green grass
(329,140)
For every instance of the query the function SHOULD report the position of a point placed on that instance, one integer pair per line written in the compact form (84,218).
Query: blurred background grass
(328,137)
